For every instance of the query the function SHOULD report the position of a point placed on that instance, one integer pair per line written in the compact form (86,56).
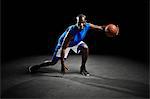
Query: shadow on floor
(120,85)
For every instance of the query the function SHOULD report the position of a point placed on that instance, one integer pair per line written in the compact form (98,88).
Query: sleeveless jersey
(78,35)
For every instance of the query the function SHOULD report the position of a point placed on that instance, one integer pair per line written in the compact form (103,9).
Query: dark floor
(111,77)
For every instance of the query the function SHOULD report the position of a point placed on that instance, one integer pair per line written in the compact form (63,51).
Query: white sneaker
(29,69)
(33,69)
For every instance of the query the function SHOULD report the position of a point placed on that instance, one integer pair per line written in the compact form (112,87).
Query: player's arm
(64,46)
(93,26)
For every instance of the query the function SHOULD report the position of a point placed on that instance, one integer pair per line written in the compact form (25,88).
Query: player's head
(81,21)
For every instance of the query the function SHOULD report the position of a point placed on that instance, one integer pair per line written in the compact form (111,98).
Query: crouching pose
(71,39)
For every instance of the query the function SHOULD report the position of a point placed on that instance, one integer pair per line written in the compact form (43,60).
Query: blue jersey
(78,35)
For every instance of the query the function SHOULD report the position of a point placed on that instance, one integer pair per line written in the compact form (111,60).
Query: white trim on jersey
(65,36)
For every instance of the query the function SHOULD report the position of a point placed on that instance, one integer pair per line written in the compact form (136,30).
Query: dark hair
(81,15)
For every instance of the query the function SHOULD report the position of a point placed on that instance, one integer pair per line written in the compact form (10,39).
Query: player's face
(81,22)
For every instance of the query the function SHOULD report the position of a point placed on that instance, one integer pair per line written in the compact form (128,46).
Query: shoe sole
(29,69)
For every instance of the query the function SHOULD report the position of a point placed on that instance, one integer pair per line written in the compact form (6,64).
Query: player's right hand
(64,68)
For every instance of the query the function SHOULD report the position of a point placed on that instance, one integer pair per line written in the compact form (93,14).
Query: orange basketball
(111,30)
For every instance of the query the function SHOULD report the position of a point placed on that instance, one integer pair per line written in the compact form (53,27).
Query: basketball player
(71,39)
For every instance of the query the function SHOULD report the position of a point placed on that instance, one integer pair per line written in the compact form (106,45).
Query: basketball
(111,30)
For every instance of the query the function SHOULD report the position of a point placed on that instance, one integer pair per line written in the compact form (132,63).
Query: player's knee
(84,46)
(85,49)
(54,62)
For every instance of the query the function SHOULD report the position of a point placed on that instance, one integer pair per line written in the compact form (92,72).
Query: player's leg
(85,52)
(53,61)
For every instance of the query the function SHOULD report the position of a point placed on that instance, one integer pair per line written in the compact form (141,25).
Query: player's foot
(84,72)
(33,69)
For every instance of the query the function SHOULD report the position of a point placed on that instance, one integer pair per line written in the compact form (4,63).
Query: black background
(32,27)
